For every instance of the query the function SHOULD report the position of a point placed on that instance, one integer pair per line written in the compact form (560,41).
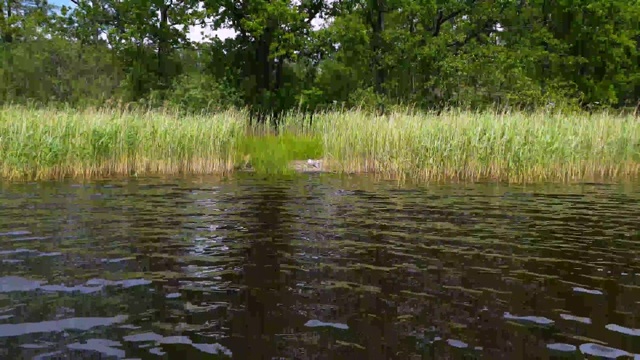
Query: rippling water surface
(317,267)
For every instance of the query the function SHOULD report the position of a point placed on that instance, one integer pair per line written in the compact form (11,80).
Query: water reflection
(317,267)
(262,310)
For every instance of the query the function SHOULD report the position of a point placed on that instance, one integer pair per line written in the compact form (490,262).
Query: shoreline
(452,147)
(309,166)
(303,167)
(317,166)
(300,167)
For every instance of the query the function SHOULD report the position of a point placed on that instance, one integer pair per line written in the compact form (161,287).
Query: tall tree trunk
(278,106)
(262,73)
(163,47)
(636,92)
(3,22)
(412,63)
(377,25)
(546,23)
(7,36)
(95,4)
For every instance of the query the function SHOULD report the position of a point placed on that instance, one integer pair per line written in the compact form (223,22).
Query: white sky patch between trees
(202,33)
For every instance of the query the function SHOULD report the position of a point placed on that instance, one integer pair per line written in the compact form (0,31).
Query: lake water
(317,267)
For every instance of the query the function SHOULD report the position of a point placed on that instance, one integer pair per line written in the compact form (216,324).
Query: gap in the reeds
(273,151)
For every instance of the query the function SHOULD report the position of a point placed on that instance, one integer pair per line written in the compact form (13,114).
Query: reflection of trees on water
(262,309)
(364,274)
(132,229)
(156,214)
(398,268)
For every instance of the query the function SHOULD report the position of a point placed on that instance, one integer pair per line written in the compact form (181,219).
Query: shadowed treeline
(317,55)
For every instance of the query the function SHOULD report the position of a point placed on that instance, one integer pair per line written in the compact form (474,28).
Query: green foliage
(273,154)
(540,57)
(471,54)
(46,143)
(197,93)
(518,147)
(483,146)
(54,70)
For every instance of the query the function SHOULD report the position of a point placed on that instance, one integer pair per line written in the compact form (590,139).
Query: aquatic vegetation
(40,143)
(270,153)
(453,146)
(513,147)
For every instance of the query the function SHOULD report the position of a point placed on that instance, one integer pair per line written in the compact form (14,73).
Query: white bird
(313,163)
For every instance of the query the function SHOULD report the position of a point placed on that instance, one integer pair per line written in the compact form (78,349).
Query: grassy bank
(39,144)
(514,147)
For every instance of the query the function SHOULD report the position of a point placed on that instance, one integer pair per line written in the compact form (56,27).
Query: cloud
(201,34)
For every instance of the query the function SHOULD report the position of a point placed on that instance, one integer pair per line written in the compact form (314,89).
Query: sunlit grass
(468,146)
(38,144)
(274,153)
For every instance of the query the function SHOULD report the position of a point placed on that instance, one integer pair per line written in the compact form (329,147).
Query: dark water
(317,268)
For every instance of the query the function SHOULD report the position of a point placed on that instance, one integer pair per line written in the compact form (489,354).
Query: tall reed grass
(484,146)
(455,145)
(39,144)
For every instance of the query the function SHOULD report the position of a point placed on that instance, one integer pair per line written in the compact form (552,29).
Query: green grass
(38,144)
(468,146)
(274,154)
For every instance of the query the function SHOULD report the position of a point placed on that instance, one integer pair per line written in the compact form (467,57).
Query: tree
(144,35)
(269,34)
(371,53)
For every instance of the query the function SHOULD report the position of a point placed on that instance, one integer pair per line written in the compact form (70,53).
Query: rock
(313,163)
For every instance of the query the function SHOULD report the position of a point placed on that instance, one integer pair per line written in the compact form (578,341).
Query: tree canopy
(317,54)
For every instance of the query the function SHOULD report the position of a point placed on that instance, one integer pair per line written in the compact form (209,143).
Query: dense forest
(314,54)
